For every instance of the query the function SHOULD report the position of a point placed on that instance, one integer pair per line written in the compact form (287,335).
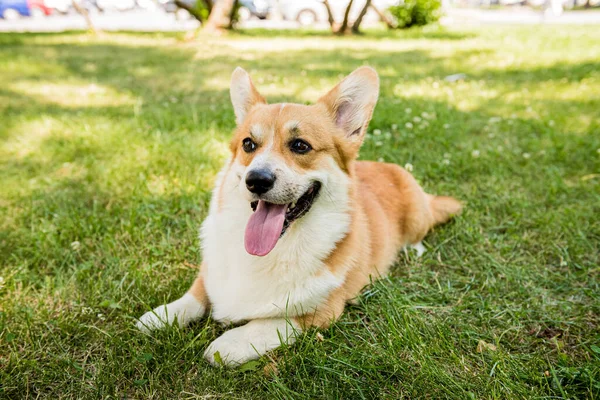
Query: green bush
(416,12)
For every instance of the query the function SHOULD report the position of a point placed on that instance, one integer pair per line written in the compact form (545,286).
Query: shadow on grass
(143,73)
(128,234)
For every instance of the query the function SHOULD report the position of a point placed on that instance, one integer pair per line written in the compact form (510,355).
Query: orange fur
(198,290)
(390,211)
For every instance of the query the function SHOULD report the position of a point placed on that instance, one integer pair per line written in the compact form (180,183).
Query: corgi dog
(297,227)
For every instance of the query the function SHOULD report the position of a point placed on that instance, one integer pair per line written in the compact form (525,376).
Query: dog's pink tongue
(264,228)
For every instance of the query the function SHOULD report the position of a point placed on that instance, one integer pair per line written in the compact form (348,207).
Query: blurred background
(185,15)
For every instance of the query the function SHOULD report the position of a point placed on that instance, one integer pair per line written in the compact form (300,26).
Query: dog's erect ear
(352,101)
(243,94)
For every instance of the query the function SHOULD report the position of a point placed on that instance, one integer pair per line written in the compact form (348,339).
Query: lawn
(108,150)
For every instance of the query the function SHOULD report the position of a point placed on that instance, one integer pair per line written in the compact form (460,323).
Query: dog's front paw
(231,349)
(155,319)
(183,310)
(251,341)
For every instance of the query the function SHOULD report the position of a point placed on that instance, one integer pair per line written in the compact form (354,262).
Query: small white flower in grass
(447,155)
(409,167)
(387,135)
(378,143)
(380,159)
(446,161)
(475,153)
(526,155)
(408,125)
(408,110)
(417,119)
(377,132)
(394,127)
(598,151)
(101,317)
(551,123)
(75,245)
(446,126)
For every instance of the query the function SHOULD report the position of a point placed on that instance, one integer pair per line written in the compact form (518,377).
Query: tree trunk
(232,14)
(330,16)
(356,24)
(84,13)
(390,24)
(344,26)
(219,17)
(191,9)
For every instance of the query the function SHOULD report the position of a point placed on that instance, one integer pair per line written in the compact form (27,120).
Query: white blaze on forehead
(257,131)
(291,124)
(281,108)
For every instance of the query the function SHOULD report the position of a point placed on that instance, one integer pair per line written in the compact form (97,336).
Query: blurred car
(170,6)
(62,6)
(248,8)
(254,8)
(66,6)
(14,9)
(38,8)
(305,12)
(119,5)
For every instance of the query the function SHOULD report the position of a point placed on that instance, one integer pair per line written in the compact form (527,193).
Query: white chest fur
(289,281)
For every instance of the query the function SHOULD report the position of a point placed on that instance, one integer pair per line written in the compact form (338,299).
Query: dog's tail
(443,208)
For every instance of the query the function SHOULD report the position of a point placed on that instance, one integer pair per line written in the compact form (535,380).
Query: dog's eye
(300,146)
(248,145)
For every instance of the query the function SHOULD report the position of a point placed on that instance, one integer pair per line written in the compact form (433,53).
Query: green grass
(108,150)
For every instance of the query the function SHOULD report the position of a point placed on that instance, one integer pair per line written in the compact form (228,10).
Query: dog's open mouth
(270,221)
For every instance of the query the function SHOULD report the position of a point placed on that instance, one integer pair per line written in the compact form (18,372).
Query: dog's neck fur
(277,284)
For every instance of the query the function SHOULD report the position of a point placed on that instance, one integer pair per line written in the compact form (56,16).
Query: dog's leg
(419,248)
(251,341)
(184,310)
(331,309)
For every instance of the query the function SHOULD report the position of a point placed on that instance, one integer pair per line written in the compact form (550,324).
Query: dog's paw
(183,310)
(231,349)
(249,342)
(419,248)
(155,319)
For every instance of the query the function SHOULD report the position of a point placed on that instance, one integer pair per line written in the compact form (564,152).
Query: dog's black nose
(260,181)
